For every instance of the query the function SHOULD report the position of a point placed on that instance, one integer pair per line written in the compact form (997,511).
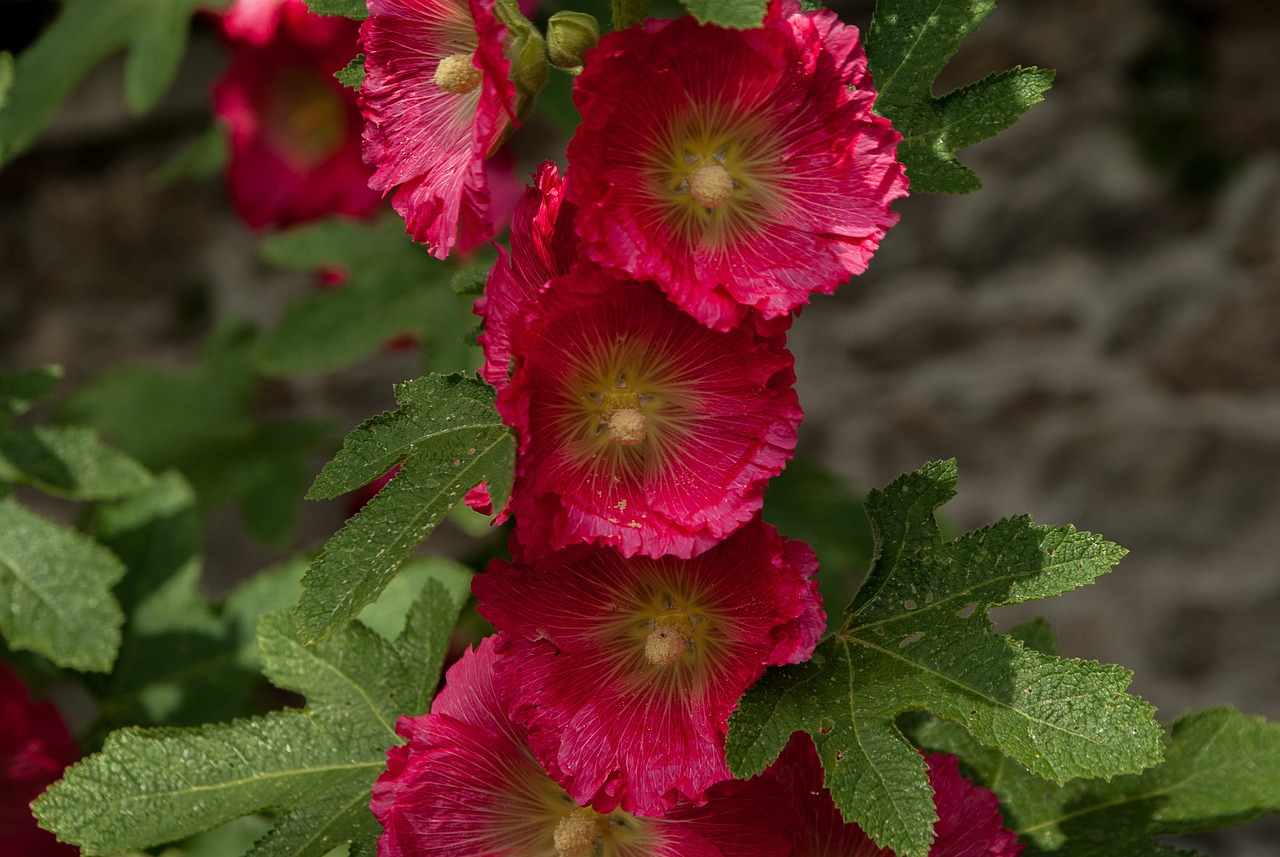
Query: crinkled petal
(613,727)
(785,109)
(719,415)
(427,143)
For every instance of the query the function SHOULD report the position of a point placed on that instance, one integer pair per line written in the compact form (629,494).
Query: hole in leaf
(825,725)
(911,638)
(910,604)
(967,610)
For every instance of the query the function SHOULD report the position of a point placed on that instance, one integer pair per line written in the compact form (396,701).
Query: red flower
(294,129)
(625,671)
(639,428)
(34,748)
(735,168)
(467,785)
(437,100)
(969,822)
(543,247)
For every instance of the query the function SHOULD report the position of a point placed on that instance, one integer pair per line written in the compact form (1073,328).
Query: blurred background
(1095,336)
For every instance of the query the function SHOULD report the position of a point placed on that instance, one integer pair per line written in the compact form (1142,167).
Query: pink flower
(638,427)
(625,671)
(543,246)
(969,822)
(294,130)
(437,99)
(34,748)
(467,785)
(736,168)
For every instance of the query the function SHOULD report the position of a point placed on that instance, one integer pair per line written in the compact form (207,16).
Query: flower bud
(528,55)
(569,36)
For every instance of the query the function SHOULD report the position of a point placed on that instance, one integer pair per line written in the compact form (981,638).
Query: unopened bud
(569,36)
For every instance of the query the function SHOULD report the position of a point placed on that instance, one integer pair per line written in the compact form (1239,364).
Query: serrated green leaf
(351,75)
(69,462)
(179,660)
(917,638)
(312,768)
(739,14)
(55,591)
(908,44)
(388,614)
(84,34)
(201,422)
(447,437)
(356,9)
(1221,768)
(394,287)
(20,390)
(470,280)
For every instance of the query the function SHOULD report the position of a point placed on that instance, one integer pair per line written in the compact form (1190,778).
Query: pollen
(711,185)
(667,642)
(577,834)
(627,426)
(456,74)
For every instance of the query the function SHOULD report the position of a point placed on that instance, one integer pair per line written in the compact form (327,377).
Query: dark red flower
(294,130)
(34,748)
(625,671)
(467,785)
(738,169)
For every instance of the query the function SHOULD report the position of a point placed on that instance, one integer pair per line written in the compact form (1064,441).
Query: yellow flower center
(455,73)
(670,638)
(307,119)
(716,178)
(578,833)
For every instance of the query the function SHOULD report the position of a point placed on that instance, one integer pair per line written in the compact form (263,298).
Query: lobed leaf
(447,438)
(908,44)
(55,591)
(393,287)
(917,638)
(312,768)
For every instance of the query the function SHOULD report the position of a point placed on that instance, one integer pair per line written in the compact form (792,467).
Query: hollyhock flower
(294,130)
(543,246)
(625,671)
(34,748)
(969,822)
(467,785)
(438,97)
(639,428)
(736,168)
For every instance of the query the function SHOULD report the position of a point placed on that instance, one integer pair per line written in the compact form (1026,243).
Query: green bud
(528,55)
(569,36)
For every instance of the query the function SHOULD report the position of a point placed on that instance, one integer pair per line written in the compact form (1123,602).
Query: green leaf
(917,638)
(84,34)
(180,662)
(740,14)
(20,390)
(347,8)
(312,768)
(394,287)
(200,421)
(908,44)
(1221,768)
(69,462)
(351,75)
(55,591)
(447,437)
